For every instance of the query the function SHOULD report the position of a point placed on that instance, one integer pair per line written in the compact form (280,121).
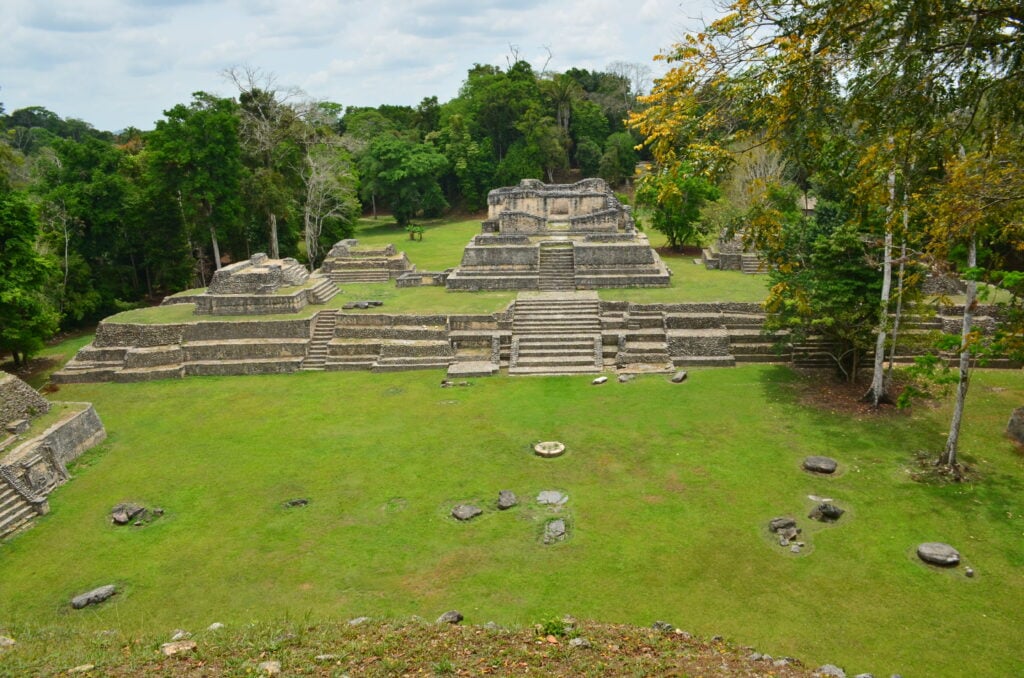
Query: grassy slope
(670,493)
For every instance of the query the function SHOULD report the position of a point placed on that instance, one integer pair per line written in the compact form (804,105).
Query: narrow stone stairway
(556,267)
(323,332)
(15,510)
(556,333)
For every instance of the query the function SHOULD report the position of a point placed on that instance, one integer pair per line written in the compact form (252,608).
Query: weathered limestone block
(1015,427)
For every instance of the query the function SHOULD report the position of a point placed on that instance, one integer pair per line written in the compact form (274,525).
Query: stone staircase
(643,342)
(749,344)
(365,271)
(556,267)
(556,333)
(751,263)
(323,332)
(814,352)
(383,344)
(15,510)
(323,290)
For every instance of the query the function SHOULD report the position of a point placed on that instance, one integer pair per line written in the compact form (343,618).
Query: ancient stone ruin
(350,262)
(33,460)
(558,237)
(261,285)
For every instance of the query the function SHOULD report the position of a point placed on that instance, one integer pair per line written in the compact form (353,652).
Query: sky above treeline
(121,63)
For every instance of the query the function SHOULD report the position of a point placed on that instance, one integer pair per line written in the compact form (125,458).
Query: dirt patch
(822,390)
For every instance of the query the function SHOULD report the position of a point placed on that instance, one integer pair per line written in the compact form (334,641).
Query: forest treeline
(95,222)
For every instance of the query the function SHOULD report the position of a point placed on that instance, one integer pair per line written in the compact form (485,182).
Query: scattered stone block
(269,668)
(626,378)
(127,512)
(818,464)
(506,500)
(358,621)
(679,377)
(94,597)
(81,668)
(937,553)
(549,449)
(599,381)
(552,498)
(781,523)
(215,626)
(178,647)
(465,512)
(294,503)
(580,642)
(554,531)
(831,670)
(663,626)
(18,426)
(826,513)
(450,617)
(6,642)
(180,634)
(1015,427)
(969,572)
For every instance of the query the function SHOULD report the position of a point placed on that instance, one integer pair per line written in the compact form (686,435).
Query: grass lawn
(669,497)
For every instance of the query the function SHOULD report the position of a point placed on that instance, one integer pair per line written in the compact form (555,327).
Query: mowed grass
(670,491)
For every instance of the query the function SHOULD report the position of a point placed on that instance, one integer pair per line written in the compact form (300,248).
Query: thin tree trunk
(216,247)
(274,251)
(876,394)
(899,301)
(949,454)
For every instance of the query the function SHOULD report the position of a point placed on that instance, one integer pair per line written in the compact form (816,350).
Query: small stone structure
(261,285)
(32,465)
(557,237)
(19,401)
(350,262)
(729,254)
(1015,427)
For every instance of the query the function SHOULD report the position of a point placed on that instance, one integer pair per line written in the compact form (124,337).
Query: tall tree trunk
(899,301)
(275,253)
(949,454)
(877,392)
(216,247)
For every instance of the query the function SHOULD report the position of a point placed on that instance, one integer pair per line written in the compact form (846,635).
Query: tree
(405,175)
(618,162)
(26,319)
(196,157)
(330,193)
(675,198)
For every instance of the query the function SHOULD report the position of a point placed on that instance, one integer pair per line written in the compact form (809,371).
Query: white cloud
(122,62)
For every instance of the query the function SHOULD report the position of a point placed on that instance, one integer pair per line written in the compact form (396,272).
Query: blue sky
(119,63)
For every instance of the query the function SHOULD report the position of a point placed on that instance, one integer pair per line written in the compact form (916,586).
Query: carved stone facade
(558,237)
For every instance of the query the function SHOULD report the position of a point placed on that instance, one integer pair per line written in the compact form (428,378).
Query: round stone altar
(549,449)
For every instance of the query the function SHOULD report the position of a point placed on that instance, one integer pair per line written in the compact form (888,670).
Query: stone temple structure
(556,237)
(261,285)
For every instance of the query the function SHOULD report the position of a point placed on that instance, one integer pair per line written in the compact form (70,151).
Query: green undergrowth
(670,491)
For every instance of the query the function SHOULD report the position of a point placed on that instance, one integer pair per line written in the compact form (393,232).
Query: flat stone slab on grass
(178,647)
(450,617)
(474,368)
(554,531)
(552,498)
(826,513)
(937,553)
(549,449)
(679,377)
(507,499)
(94,597)
(817,464)
(465,512)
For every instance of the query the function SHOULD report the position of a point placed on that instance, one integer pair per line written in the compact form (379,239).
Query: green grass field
(670,486)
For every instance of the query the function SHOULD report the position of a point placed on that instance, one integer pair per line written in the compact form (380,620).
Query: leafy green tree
(618,163)
(405,174)
(26,318)
(196,157)
(675,198)
(588,157)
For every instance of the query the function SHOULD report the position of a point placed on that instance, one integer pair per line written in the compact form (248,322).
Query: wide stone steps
(15,511)
(751,263)
(405,363)
(323,291)
(129,375)
(360,275)
(556,268)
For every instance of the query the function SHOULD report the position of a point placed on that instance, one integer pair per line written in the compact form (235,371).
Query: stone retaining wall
(110,334)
